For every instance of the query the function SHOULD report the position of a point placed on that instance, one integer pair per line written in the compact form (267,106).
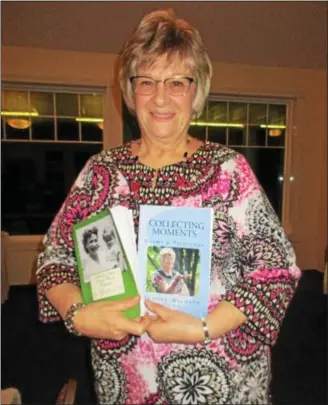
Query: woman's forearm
(63,296)
(223,319)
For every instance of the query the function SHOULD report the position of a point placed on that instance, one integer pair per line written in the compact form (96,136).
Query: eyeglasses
(175,86)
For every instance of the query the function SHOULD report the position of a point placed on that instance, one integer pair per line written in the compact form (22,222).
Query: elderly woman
(166,279)
(176,358)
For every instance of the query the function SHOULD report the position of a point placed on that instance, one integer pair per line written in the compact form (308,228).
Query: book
(171,264)
(174,250)
(107,259)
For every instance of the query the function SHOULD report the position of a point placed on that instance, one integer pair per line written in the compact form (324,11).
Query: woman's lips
(162,116)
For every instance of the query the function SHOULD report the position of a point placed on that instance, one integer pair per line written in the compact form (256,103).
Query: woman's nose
(160,95)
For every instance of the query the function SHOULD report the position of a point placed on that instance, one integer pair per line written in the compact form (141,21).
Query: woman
(92,264)
(166,279)
(176,358)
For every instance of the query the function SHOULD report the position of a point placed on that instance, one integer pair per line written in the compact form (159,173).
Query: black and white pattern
(194,377)
(110,379)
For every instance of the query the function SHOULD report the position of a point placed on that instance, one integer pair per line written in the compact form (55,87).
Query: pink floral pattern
(253,268)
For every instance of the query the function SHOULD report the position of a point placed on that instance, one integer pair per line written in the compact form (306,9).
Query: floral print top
(253,267)
(161,277)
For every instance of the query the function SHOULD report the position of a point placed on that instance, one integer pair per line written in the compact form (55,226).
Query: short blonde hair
(164,252)
(161,33)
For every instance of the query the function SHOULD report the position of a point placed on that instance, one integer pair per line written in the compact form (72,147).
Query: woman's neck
(158,153)
(168,271)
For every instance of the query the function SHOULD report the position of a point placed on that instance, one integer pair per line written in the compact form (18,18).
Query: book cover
(105,258)
(175,246)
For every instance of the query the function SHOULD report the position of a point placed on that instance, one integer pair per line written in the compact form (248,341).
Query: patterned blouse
(160,277)
(253,267)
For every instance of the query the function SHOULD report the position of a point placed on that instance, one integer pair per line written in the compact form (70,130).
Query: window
(255,128)
(47,135)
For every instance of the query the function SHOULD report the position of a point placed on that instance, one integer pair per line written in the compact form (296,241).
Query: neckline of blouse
(189,159)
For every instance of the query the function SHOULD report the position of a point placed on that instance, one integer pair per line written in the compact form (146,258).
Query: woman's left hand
(170,326)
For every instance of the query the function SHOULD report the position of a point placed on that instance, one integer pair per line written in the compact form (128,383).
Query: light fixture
(215,124)
(18,123)
(274,132)
(15,119)
(273,126)
(89,119)
(19,113)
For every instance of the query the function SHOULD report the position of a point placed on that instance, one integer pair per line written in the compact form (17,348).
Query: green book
(105,252)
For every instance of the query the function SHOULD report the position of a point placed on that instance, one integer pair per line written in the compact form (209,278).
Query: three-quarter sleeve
(261,256)
(57,264)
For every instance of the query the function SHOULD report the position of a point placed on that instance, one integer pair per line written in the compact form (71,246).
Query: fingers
(122,305)
(158,309)
(132,327)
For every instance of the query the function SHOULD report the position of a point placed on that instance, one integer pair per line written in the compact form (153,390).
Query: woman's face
(168,262)
(162,115)
(92,243)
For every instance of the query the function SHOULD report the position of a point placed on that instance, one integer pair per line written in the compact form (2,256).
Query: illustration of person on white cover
(166,279)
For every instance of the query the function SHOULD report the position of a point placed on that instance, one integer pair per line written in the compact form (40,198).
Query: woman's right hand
(105,320)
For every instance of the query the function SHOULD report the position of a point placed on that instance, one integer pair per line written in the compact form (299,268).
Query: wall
(305,219)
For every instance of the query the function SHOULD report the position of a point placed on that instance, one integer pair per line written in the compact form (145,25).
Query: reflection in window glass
(42,102)
(15,101)
(217,112)
(91,105)
(44,173)
(257,114)
(237,113)
(43,129)
(91,132)
(67,130)
(67,105)
(277,114)
(17,128)
(236,136)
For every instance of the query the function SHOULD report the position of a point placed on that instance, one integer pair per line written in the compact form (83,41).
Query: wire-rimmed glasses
(175,86)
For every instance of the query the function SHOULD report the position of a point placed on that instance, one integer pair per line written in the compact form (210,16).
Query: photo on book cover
(101,253)
(173,270)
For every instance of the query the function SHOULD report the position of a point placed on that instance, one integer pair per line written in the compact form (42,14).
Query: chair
(10,396)
(67,394)
(4,269)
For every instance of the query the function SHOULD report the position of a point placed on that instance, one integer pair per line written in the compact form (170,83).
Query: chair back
(67,394)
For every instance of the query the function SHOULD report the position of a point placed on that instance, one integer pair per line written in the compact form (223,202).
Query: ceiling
(289,34)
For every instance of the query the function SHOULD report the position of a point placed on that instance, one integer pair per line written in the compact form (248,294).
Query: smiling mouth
(162,116)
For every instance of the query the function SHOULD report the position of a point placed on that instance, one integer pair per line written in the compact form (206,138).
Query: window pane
(18,128)
(42,102)
(43,128)
(276,137)
(91,132)
(43,173)
(268,166)
(237,113)
(277,114)
(198,132)
(257,114)
(67,105)
(15,101)
(91,105)
(67,130)
(236,136)
(217,134)
(217,111)
(257,136)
